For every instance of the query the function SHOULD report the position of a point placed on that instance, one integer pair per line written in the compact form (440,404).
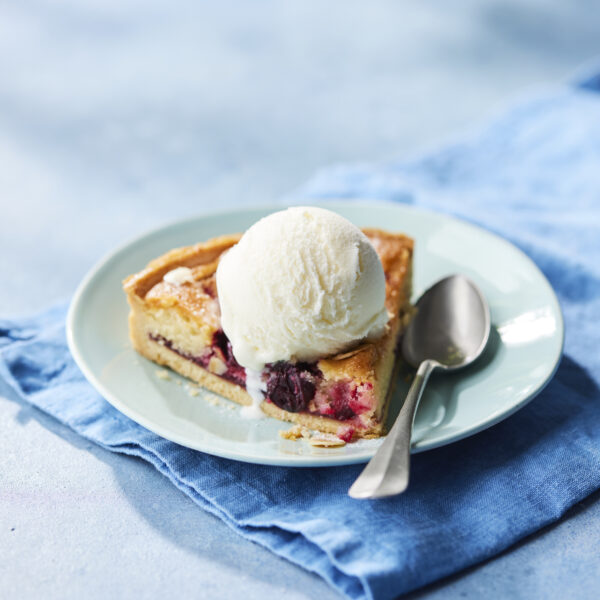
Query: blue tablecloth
(534,177)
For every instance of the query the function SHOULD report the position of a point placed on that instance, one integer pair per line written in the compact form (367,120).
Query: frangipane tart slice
(175,321)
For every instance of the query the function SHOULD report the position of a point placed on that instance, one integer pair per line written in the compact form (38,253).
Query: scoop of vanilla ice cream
(300,284)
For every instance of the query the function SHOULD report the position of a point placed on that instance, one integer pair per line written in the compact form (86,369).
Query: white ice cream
(256,389)
(301,284)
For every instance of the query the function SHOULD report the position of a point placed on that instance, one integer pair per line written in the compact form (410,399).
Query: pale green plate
(521,357)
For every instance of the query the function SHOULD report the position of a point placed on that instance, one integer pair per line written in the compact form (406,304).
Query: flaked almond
(326,442)
(351,352)
(217,366)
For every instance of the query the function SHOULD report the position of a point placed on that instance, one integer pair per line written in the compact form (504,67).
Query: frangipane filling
(295,387)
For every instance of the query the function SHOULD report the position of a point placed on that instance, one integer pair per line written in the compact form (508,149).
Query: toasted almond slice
(350,352)
(326,442)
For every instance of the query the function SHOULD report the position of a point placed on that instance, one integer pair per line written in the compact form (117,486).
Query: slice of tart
(175,321)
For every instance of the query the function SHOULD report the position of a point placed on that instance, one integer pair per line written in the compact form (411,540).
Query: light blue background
(116,117)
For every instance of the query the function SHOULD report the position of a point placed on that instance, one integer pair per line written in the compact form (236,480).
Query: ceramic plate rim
(285,459)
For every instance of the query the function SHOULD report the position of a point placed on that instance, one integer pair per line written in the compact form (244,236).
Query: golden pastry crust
(202,258)
(170,324)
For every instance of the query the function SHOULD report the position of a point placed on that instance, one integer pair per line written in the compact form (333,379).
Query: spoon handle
(388,471)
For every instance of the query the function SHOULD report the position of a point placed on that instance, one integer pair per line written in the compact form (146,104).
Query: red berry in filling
(340,399)
(347,434)
(291,386)
(221,345)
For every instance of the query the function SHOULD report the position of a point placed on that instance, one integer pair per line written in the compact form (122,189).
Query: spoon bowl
(451,327)
(449,331)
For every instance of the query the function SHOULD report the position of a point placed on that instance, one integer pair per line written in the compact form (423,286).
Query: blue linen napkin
(533,176)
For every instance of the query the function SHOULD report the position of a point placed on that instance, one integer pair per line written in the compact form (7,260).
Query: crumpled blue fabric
(532,176)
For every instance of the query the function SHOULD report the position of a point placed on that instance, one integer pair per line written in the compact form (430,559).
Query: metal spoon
(449,331)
